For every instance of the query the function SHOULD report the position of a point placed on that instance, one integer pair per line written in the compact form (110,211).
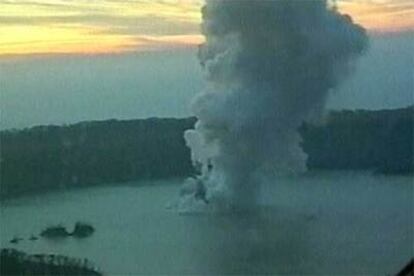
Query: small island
(57,231)
(81,230)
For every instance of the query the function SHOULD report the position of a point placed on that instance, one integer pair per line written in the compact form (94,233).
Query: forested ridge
(90,153)
(99,152)
(359,140)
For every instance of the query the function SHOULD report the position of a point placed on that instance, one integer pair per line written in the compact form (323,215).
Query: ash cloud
(270,66)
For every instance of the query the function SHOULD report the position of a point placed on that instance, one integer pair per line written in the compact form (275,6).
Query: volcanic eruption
(270,66)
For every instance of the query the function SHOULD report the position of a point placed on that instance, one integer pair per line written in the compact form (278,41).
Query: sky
(113,26)
(65,61)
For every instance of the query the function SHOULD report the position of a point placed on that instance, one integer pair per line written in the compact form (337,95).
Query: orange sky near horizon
(108,26)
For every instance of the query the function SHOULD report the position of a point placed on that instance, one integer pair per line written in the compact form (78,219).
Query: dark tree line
(14,262)
(100,152)
(93,153)
(381,141)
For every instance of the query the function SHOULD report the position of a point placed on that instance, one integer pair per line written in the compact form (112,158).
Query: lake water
(320,223)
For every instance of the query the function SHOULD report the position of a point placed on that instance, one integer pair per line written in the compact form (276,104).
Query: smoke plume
(270,66)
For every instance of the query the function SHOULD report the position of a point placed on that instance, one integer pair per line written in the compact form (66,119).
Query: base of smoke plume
(221,198)
(218,199)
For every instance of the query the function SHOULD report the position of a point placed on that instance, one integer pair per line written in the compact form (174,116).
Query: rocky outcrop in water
(81,230)
(55,232)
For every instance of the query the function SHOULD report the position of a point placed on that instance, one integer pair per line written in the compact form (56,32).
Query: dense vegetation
(93,153)
(14,262)
(118,151)
(362,140)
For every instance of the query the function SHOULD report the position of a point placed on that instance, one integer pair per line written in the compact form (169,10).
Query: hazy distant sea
(69,89)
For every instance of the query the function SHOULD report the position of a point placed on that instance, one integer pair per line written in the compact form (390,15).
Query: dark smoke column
(270,67)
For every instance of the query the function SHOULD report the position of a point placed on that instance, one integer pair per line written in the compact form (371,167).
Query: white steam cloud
(270,66)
